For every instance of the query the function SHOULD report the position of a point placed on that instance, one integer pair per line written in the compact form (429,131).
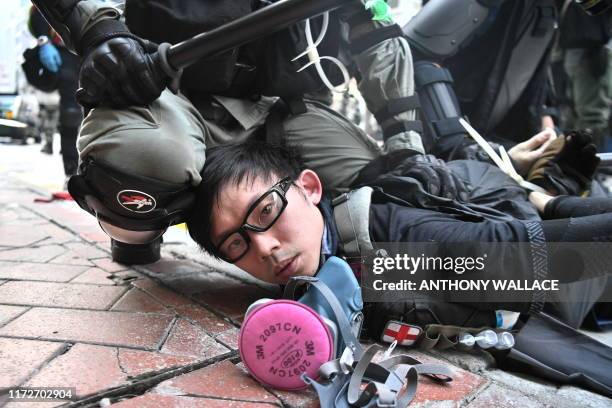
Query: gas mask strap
(343,323)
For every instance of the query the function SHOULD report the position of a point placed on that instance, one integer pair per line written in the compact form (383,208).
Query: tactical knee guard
(132,210)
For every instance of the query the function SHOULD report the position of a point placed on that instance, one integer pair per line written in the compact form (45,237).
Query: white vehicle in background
(24,112)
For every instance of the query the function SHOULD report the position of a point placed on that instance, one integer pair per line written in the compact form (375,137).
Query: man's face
(292,246)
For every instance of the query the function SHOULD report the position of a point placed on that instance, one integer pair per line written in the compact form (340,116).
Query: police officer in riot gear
(142,148)
(486,60)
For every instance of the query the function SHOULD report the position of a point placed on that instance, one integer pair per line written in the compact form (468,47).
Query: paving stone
(221,380)
(152,400)
(233,300)
(93,369)
(306,398)
(56,234)
(475,361)
(229,338)
(136,363)
(53,294)
(65,213)
(174,267)
(577,397)
(463,385)
(17,196)
(164,295)
(43,253)
(188,339)
(108,265)
(71,258)
(205,318)
(496,396)
(88,251)
(137,330)
(436,404)
(545,392)
(39,271)
(188,277)
(19,236)
(8,313)
(15,215)
(28,404)
(138,301)
(95,276)
(298,399)
(20,358)
(94,234)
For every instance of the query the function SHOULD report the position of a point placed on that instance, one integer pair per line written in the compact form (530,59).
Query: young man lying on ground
(259,208)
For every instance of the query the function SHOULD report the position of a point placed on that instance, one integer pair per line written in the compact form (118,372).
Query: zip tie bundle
(503,161)
(315,58)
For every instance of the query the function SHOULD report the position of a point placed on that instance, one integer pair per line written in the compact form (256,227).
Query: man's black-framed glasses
(259,218)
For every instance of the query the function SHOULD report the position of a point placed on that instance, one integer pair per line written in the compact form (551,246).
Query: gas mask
(290,344)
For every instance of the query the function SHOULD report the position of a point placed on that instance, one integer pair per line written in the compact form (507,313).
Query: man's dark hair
(231,165)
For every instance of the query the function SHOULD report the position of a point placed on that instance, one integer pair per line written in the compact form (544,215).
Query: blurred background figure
(586,46)
(57,59)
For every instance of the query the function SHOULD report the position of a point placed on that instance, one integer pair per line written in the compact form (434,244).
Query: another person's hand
(121,72)
(568,165)
(546,122)
(539,200)
(50,57)
(525,154)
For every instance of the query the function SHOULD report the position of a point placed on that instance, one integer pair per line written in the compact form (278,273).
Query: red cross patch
(405,334)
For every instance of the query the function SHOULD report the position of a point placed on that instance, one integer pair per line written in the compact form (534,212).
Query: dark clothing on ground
(497,210)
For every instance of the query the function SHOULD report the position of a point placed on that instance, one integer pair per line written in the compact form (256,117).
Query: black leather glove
(121,72)
(435,176)
(568,165)
(579,155)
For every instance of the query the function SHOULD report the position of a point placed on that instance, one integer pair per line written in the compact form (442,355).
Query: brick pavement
(69,316)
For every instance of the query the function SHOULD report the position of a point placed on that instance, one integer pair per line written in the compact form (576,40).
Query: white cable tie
(315,58)
(390,349)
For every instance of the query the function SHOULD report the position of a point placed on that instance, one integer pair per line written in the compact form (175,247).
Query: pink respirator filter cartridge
(282,339)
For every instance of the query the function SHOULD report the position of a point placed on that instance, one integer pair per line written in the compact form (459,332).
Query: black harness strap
(399,127)
(398,105)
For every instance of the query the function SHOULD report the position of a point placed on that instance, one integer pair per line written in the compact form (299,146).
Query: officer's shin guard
(131,254)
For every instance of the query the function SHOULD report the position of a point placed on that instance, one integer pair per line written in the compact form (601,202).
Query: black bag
(37,75)
(542,340)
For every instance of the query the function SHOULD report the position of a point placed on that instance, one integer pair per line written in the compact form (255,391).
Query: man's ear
(311,184)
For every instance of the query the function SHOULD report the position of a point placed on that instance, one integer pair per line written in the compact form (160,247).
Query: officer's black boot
(131,254)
